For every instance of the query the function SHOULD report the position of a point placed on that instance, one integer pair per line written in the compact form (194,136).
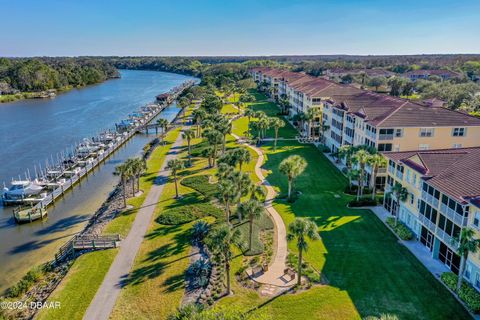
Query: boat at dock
(20,190)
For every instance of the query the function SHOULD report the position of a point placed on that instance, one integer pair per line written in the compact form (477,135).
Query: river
(33,130)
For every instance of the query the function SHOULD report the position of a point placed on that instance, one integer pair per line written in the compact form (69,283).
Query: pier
(50,183)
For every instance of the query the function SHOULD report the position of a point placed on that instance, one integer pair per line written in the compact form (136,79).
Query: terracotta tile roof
(433,72)
(455,172)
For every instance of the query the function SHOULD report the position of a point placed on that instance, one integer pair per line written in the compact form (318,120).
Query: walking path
(106,296)
(275,274)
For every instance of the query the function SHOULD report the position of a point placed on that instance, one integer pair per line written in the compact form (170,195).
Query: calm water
(32,130)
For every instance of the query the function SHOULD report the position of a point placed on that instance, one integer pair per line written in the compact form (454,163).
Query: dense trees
(40,74)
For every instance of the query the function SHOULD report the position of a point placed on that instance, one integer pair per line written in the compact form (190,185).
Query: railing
(399,175)
(385,137)
(391,170)
(430,199)
(453,215)
(447,239)
(427,223)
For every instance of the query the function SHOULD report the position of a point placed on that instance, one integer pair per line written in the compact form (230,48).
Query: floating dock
(61,177)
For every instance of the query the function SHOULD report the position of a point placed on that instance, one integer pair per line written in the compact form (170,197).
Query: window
(476,219)
(458,132)
(412,199)
(477,280)
(422,146)
(407,176)
(468,271)
(457,145)
(384,147)
(414,181)
(426,132)
(398,133)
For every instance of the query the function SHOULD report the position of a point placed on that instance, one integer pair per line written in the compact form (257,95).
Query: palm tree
(227,192)
(214,137)
(130,165)
(292,167)
(242,156)
(466,244)
(198,116)
(361,158)
(312,114)
(323,127)
(189,134)
(224,127)
(124,171)
(352,175)
(163,124)
(175,165)
(376,162)
(249,113)
(346,151)
(301,229)
(253,210)
(139,166)
(276,123)
(220,241)
(399,193)
(263,124)
(208,153)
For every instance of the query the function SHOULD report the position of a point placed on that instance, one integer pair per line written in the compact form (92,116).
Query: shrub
(323,148)
(363,202)
(187,213)
(25,283)
(201,184)
(400,229)
(467,293)
(199,273)
(200,230)
(352,189)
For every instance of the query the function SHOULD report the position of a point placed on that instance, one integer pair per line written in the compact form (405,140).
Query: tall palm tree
(302,229)
(130,165)
(249,113)
(399,193)
(352,175)
(227,192)
(175,165)
(214,138)
(346,152)
(253,210)
(242,156)
(220,241)
(263,124)
(323,127)
(124,171)
(292,167)
(276,124)
(224,127)
(189,134)
(198,116)
(466,244)
(208,153)
(361,158)
(139,167)
(310,115)
(376,162)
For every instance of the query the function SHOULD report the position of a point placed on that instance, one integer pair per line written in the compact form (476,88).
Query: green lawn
(79,286)
(369,272)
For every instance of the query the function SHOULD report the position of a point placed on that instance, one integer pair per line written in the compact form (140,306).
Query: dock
(86,242)
(68,171)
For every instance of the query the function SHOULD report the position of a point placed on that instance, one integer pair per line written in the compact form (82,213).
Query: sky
(246,27)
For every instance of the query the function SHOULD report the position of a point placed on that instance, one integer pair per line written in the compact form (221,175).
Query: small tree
(399,193)
(292,167)
(163,124)
(466,244)
(253,210)
(139,166)
(376,162)
(377,82)
(361,157)
(124,171)
(249,113)
(220,241)
(175,165)
(301,229)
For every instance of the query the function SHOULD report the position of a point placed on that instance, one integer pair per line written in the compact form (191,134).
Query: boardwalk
(106,296)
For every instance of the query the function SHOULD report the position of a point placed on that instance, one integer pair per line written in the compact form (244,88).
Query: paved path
(106,296)
(275,274)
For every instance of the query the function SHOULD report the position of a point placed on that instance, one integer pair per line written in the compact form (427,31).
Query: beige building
(443,197)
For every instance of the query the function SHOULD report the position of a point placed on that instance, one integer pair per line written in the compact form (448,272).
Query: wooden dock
(86,242)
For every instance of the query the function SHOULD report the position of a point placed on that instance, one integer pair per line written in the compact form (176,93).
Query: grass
(369,272)
(79,286)
(82,281)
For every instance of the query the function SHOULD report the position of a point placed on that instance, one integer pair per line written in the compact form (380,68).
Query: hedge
(187,213)
(400,229)
(201,184)
(467,293)
(363,202)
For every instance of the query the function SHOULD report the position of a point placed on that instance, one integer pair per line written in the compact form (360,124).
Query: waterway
(31,131)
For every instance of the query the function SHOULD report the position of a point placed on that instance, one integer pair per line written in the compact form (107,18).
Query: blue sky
(247,27)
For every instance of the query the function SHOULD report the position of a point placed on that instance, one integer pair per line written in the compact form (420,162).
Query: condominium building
(443,197)
(425,74)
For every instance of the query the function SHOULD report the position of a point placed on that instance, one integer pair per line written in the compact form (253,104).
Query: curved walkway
(275,274)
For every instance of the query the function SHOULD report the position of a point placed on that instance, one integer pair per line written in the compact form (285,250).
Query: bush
(323,148)
(201,184)
(200,230)
(187,213)
(467,293)
(25,283)
(199,273)
(400,229)
(363,202)
(352,189)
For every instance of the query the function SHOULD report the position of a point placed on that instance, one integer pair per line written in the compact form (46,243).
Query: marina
(33,130)
(58,177)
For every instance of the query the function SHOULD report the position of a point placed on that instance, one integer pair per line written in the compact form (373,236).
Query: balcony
(399,175)
(382,170)
(391,170)
(430,199)
(447,239)
(453,215)
(385,137)
(427,223)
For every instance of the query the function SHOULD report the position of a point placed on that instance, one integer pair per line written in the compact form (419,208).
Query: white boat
(20,189)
